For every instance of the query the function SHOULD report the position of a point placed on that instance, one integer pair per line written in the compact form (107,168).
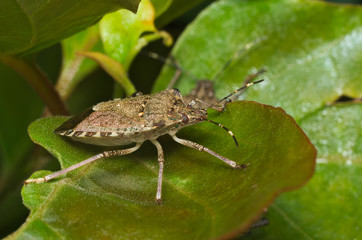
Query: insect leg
(201,148)
(160,171)
(84,162)
(175,77)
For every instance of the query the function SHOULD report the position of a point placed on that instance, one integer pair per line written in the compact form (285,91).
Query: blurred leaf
(312,52)
(28,26)
(175,10)
(76,67)
(12,210)
(123,41)
(39,82)
(19,106)
(202,196)
(334,192)
(113,68)
(337,132)
(15,117)
(161,6)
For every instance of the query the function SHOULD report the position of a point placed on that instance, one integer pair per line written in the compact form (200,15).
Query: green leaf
(337,133)
(161,6)
(123,41)
(312,52)
(334,192)
(201,195)
(175,9)
(14,142)
(28,26)
(113,68)
(76,67)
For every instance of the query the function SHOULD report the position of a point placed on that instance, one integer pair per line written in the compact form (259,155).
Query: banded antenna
(235,92)
(230,132)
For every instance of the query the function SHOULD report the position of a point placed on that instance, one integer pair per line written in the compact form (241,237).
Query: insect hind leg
(106,154)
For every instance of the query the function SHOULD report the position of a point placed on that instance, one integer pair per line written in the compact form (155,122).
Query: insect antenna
(222,126)
(237,55)
(171,61)
(234,92)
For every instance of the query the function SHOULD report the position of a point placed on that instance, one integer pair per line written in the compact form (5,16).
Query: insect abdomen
(98,138)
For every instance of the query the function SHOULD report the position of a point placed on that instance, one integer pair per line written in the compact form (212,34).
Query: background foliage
(312,51)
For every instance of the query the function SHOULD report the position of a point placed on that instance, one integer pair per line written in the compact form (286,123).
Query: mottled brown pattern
(72,122)
(159,123)
(134,119)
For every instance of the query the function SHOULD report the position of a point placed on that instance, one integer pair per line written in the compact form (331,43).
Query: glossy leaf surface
(27,26)
(332,197)
(123,41)
(76,67)
(202,196)
(312,53)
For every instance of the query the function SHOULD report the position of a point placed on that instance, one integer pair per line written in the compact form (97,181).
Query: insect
(205,95)
(134,120)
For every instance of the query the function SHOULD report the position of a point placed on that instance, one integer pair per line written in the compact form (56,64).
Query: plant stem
(42,86)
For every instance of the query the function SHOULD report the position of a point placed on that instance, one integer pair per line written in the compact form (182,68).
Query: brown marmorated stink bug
(134,120)
(146,117)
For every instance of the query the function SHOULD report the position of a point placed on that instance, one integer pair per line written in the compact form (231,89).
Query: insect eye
(184,118)
(176,91)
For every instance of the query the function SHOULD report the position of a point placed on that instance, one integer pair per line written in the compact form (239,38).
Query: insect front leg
(160,170)
(201,148)
(106,154)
